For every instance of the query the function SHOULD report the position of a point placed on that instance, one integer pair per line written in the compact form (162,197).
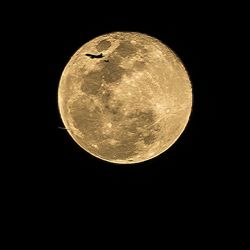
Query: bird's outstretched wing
(63,128)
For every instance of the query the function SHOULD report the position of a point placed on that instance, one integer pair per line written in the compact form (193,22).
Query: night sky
(58,168)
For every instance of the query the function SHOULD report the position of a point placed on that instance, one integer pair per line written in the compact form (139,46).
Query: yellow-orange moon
(125,97)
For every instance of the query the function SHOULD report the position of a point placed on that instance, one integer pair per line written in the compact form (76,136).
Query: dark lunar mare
(136,126)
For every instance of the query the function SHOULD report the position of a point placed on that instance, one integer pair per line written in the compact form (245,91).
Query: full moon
(125,97)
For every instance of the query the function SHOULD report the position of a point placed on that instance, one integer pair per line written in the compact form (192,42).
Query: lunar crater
(103,45)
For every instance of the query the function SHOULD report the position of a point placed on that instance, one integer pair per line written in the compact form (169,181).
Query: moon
(125,97)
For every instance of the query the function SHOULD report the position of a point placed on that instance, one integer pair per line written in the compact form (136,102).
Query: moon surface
(129,101)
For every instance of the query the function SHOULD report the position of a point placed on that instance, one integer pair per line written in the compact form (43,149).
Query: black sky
(54,188)
(58,165)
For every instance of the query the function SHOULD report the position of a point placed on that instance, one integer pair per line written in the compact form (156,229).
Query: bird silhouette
(94,56)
